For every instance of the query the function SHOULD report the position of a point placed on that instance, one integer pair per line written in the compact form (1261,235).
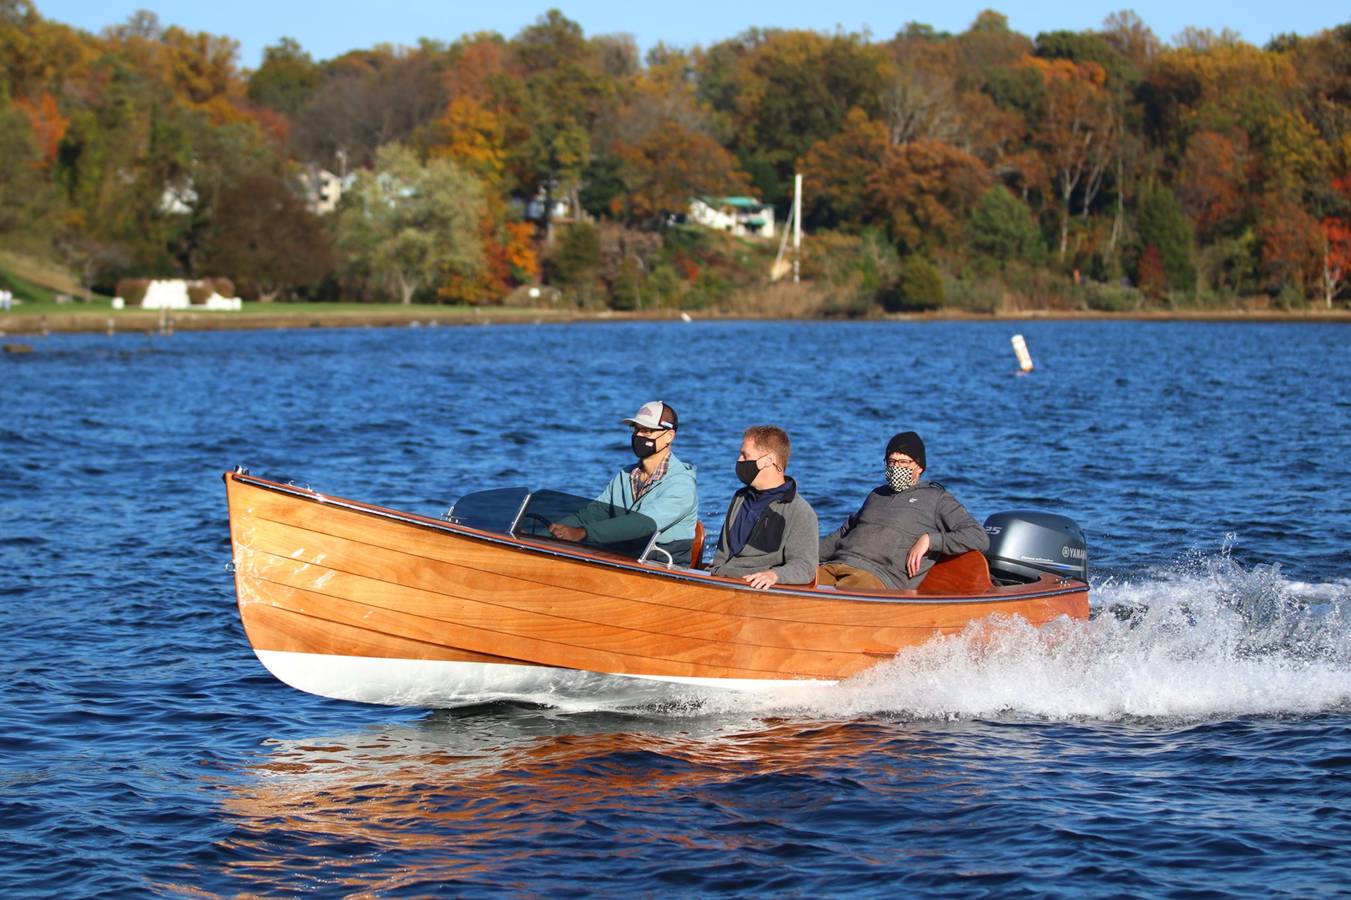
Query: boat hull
(359,602)
(440,683)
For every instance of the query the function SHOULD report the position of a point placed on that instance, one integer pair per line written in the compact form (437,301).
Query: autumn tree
(366,99)
(561,95)
(410,224)
(1290,246)
(1230,87)
(922,98)
(989,44)
(1082,47)
(924,192)
(264,238)
(663,151)
(1216,169)
(1336,270)
(46,122)
(670,166)
(476,130)
(783,91)
(1322,64)
(1128,35)
(1077,132)
(39,55)
(1336,244)
(479,123)
(22,184)
(839,172)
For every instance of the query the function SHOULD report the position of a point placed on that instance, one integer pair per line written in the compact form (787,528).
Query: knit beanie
(908,442)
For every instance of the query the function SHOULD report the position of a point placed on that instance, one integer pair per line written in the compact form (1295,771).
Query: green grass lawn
(34,301)
(37,284)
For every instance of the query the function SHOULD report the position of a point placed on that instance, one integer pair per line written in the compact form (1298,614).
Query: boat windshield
(519,512)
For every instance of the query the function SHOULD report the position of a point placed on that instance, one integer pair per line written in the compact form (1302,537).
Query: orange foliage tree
(49,126)
(924,192)
(672,164)
(839,170)
(1336,241)
(1077,132)
(472,135)
(1214,179)
(1291,244)
(475,130)
(1336,258)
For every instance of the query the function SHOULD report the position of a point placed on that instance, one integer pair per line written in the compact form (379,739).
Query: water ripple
(1193,738)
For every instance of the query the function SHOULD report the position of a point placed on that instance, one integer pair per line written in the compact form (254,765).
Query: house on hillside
(561,207)
(741,216)
(323,189)
(179,198)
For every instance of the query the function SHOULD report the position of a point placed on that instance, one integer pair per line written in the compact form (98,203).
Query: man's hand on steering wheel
(567,532)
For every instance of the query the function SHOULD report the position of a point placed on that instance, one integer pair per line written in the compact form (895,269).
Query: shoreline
(148,321)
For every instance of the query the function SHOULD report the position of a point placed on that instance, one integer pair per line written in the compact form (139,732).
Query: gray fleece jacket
(879,536)
(783,541)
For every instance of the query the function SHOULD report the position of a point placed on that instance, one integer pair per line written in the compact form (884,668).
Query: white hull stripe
(440,683)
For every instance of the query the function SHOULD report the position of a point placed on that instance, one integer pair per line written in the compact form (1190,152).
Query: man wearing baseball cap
(659,487)
(901,529)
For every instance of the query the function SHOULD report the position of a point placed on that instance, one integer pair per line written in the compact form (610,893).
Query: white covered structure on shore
(173,294)
(741,216)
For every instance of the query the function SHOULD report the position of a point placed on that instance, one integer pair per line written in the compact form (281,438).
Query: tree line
(1103,169)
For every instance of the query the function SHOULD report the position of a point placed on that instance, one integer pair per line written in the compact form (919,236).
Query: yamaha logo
(1074,552)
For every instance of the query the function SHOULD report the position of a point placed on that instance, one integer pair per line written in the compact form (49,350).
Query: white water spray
(1203,640)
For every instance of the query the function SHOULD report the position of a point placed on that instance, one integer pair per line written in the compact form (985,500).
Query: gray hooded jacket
(783,541)
(879,536)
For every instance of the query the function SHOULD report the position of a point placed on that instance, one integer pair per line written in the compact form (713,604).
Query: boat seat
(697,550)
(965,573)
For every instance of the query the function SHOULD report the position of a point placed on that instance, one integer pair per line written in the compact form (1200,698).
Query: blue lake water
(1192,739)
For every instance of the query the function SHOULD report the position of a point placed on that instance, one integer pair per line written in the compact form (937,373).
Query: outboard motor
(1025,544)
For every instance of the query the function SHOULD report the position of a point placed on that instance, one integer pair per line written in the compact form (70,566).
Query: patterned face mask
(900,478)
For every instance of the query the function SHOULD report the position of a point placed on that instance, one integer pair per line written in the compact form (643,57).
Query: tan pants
(844,576)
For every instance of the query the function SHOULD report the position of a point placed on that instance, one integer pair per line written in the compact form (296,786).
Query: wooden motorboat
(358,602)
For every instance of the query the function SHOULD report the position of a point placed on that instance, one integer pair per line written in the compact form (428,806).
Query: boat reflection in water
(485,796)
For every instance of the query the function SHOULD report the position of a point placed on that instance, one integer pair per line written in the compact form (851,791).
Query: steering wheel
(536,517)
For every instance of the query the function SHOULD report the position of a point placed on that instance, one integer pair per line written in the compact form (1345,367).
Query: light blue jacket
(672,503)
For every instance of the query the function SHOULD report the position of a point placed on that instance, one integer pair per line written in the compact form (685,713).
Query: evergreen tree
(919,287)
(1002,227)
(1162,225)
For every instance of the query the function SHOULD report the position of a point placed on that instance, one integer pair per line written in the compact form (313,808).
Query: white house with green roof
(741,216)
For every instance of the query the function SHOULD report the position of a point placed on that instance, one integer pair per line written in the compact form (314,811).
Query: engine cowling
(1025,544)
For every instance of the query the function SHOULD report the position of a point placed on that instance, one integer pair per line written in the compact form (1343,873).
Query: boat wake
(1203,639)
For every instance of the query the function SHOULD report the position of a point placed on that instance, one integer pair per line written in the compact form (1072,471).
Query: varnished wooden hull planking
(328,586)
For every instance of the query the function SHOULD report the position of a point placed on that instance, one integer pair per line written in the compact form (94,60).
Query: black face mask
(643,447)
(747,469)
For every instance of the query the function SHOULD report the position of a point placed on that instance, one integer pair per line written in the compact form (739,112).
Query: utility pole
(797,227)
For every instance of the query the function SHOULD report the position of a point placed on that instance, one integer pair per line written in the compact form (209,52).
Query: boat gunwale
(1064,585)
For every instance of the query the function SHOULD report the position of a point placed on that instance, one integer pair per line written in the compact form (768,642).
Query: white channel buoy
(1020,350)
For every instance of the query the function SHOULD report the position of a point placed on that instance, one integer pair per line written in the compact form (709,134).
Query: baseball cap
(654,414)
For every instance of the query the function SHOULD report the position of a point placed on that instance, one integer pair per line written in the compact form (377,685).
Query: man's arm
(598,510)
(828,544)
(957,531)
(668,502)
